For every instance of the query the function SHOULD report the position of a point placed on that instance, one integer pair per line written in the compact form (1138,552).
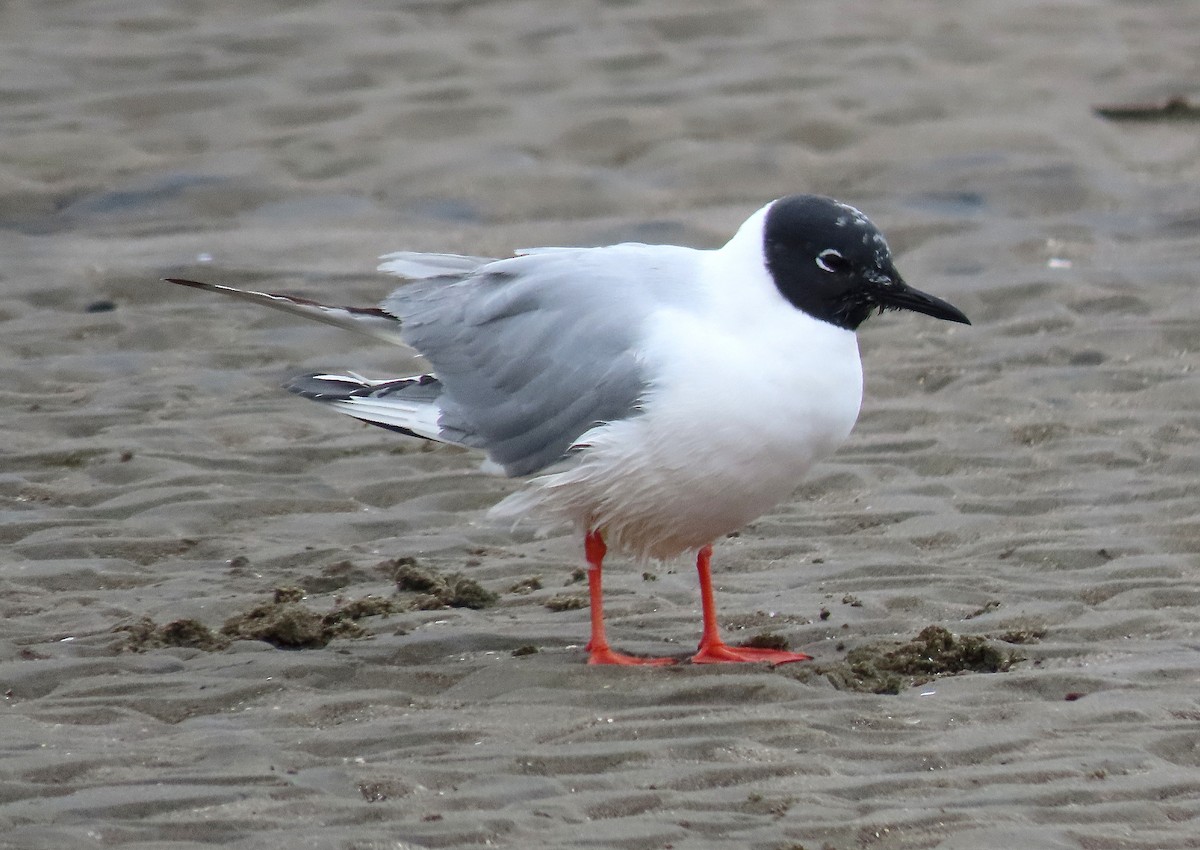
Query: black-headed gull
(661,397)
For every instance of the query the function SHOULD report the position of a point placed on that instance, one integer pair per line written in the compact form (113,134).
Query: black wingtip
(195,284)
(322,387)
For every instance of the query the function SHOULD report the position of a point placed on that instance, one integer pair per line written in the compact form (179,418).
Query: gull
(656,398)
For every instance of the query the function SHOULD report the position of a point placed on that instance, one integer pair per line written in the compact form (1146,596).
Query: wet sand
(1037,473)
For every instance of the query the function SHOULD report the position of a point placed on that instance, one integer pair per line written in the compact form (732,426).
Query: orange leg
(599,652)
(712,649)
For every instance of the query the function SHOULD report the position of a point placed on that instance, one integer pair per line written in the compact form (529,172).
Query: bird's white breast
(746,393)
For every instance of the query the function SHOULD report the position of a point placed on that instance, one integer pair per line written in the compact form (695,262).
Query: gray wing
(535,350)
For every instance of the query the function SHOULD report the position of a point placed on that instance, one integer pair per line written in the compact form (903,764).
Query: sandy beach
(1032,481)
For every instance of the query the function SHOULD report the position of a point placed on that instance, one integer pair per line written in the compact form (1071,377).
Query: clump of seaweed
(527,585)
(1032,634)
(767,640)
(284,595)
(436,589)
(563,602)
(145,634)
(288,625)
(366,606)
(934,652)
(285,623)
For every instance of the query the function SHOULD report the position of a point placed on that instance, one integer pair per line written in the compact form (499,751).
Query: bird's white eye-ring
(831,260)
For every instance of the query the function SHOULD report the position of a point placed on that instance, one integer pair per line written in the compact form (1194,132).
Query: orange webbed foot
(606,655)
(718,652)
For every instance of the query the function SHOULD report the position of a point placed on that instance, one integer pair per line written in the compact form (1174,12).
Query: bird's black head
(830,261)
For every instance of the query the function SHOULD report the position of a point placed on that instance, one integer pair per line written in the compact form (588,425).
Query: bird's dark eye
(831,260)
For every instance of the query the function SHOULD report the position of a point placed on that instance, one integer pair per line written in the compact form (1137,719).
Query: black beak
(895,294)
